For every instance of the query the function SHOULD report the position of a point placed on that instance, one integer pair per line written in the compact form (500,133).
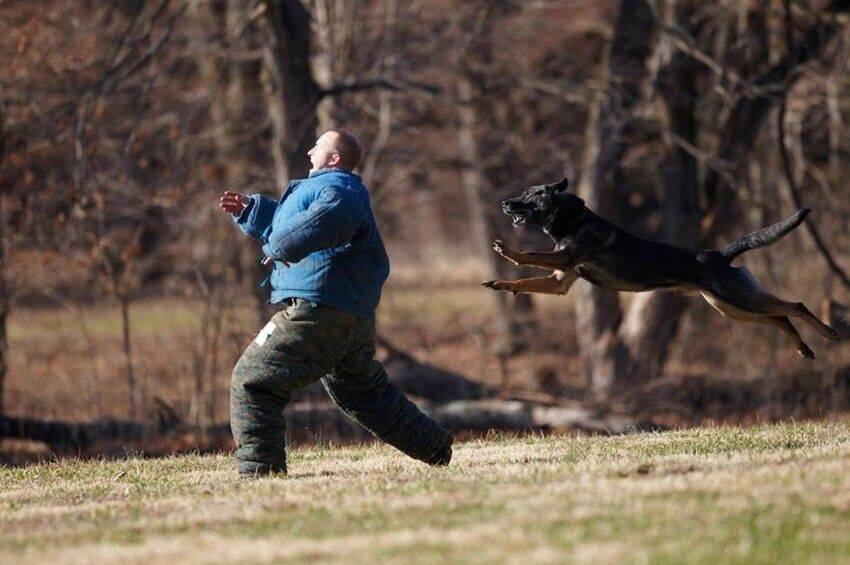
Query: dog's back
(632,263)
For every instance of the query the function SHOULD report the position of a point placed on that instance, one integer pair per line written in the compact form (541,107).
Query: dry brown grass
(767,494)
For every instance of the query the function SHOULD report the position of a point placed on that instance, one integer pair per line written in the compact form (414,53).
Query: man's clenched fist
(233,202)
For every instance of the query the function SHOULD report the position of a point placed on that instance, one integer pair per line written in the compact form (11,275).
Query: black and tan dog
(592,248)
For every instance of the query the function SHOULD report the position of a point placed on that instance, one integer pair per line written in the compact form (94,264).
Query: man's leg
(299,345)
(359,386)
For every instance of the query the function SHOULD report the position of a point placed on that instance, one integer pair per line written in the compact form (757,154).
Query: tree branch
(794,193)
(791,183)
(721,166)
(385,83)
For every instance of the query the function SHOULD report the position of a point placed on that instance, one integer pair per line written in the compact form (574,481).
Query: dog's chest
(600,275)
(564,243)
(610,271)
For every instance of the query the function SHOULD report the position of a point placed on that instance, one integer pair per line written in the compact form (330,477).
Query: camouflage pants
(305,342)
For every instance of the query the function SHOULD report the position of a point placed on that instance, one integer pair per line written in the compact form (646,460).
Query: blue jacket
(324,228)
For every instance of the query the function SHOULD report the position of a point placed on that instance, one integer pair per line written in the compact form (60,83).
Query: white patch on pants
(265,333)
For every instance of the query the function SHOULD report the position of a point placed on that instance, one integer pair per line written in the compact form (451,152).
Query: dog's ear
(560,186)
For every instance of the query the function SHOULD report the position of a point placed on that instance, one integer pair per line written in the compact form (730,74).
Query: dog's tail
(764,236)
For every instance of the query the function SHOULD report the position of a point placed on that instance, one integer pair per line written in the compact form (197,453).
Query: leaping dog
(589,247)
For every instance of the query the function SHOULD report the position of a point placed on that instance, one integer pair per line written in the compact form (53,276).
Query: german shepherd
(591,248)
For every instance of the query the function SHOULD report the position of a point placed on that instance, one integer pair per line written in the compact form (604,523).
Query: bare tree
(652,319)
(228,62)
(630,347)
(474,66)
(622,76)
(290,89)
(477,188)
(4,291)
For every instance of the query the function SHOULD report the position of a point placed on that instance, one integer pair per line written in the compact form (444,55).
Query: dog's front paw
(499,246)
(498,285)
(502,249)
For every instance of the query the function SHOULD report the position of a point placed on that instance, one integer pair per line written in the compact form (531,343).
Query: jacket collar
(332,170)
(293,184)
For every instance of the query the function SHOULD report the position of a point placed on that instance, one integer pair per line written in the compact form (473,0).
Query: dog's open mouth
(518,212)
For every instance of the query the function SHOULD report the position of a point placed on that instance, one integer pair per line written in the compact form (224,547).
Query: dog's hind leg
(782,323)
(558,282)
(743,291)
(785,326)
(773,306)
(799,310)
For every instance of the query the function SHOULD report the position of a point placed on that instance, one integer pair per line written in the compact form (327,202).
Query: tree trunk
(237,94)
(624,73)
(132,385)
(290,90)
(230,93)
(4,289)
(836,128)
(4,304)
(333,20)
(652,320)
(476,188)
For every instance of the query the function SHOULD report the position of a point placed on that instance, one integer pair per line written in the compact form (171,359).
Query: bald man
(329,267)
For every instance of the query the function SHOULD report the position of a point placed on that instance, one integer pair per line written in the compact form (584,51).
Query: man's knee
(348,384)
(365,394)
(388,414)
(250,372)
(241,374)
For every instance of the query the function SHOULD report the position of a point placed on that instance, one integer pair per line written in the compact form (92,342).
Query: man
(329,267)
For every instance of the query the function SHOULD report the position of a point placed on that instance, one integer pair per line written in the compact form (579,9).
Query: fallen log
(413,377)
(424,380)
(306,423)
(518,415)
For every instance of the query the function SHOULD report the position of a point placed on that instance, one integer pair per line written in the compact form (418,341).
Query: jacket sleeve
(329,221)
(257,216)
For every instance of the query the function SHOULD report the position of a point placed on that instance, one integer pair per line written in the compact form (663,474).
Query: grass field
(778,493)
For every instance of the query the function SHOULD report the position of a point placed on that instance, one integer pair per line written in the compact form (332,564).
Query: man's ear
(560,186)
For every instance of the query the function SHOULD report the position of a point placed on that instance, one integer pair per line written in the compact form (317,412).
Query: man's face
(324,153)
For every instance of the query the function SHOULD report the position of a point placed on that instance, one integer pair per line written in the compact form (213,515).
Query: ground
(765,494)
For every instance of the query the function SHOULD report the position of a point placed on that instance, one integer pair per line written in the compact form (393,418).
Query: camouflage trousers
(305,342)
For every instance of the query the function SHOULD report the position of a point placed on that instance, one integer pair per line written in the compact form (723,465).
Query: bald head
(336,148)
(348,148)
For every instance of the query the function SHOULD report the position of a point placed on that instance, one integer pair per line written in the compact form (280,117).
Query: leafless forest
(126,296)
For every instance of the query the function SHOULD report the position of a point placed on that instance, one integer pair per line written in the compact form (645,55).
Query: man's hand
(233,202)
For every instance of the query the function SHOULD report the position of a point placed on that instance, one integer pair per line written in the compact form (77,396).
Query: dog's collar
(554,216)
(580,218)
